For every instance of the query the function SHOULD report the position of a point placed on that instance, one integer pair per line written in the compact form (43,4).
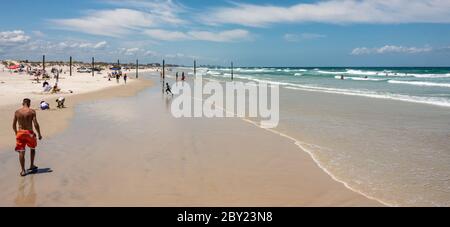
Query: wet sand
(131,152)
(56,120)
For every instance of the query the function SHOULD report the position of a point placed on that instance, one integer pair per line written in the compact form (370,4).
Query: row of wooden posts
(137,67)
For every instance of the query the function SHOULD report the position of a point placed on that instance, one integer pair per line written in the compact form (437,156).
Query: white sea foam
(359,78)
(419,83)
(383,73)
(366,79)
(352,72)
(430,75)
(437,101)
(367,73)
(364,93)
(214,73)
(330,72)
(260,70)
(370,94)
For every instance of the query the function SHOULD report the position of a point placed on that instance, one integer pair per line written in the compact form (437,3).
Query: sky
(315,33)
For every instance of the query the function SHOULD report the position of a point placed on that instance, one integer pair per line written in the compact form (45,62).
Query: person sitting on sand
(60,101)
(55,89)
(25,136)
(168,90)
(47,88)
(44,105)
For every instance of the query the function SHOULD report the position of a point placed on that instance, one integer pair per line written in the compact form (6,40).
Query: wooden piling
(195,68)
(232,71)
(70,66)
(164,69)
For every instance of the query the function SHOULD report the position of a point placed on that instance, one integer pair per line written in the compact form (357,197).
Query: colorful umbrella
(14,67)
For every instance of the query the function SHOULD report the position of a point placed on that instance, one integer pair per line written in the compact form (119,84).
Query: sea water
(420,85)
(383,132)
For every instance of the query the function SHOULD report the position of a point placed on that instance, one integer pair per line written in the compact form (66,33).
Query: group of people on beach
(50,89)
(53,90)
(118,75)
(60,104)
(166,86)
(177,77)
(183,77)
(25,119)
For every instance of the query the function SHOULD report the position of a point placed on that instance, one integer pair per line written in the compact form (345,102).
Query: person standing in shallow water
(125,77)
(25,117)
(117,78)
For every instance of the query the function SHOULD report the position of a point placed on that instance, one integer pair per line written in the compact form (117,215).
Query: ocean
(419,85)
(383,132)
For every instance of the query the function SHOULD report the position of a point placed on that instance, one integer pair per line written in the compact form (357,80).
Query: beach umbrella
(14,67)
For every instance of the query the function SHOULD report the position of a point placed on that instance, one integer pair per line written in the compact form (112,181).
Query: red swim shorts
(25,138)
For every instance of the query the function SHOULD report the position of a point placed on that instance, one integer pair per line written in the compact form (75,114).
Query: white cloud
(150,53)
(166,35)
(304,36)
(180,56)
(11,38)
(335,12)
(391,49)
(129,51)
(165,10)
(81,45)
(223,36)
(100,45)
(38,47)
(114,23)
(133,15)
(38,34)
(134,51)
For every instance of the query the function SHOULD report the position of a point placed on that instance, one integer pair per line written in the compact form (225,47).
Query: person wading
(25,117)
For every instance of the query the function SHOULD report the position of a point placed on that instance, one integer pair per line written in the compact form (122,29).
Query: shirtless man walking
(25,136)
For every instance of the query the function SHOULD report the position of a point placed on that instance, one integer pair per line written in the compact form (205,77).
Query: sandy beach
(171,103)
(172,162)
(17,86)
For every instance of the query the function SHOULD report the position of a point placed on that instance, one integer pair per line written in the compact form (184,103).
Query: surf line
(301,145)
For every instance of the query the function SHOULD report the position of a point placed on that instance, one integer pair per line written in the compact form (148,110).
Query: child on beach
(44,105)
(55,89)
(125,77)
(60,101)
(168,90)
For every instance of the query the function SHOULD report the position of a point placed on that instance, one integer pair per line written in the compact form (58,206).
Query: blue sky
(250,33)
